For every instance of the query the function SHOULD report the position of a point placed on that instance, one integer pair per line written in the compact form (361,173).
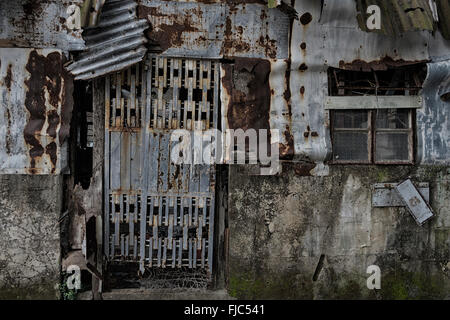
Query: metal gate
(157,213)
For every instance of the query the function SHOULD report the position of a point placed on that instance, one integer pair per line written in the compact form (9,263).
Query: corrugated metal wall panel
(116,43)
(398,16)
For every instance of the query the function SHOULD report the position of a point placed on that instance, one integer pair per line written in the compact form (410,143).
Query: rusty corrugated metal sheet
(398,16)
(38,24)
(215,30)
(35,111)
(116,43)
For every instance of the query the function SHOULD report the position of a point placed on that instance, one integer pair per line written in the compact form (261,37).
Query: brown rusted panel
(36,107)
(47,75)
(170,34)
(247,83)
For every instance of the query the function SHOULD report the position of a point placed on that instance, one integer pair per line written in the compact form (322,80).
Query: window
(373,114)
(379,136)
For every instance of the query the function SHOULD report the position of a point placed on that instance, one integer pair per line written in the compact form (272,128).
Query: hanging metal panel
(414,201)
(159,214)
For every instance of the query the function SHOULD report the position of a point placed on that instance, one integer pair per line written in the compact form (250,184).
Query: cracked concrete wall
(30,207)
(281,226)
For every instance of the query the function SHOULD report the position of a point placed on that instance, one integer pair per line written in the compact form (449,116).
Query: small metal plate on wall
(416,204)
(386,195)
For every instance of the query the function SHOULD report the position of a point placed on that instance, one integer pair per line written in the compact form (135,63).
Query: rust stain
(228,34)
(287,151)
(7,81)
(47,75)
(306,18)
(249,105)
(269,45)
(8,134)
(8,78)
(303,67)
(169,35)
(303,49)
(377,65)
(51,150)
(302,169)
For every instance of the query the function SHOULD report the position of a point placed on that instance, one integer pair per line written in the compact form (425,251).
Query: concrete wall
(30,207)
(281,225)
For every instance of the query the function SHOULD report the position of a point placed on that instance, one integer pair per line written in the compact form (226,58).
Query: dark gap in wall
(318,267)
(221,227)
(91,245)
(83,139)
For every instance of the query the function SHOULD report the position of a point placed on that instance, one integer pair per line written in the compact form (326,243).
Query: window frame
(371,138)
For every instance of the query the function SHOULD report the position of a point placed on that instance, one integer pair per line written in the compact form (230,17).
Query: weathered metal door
(157,213)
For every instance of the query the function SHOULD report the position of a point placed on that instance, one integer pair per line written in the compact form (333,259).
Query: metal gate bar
(159,214)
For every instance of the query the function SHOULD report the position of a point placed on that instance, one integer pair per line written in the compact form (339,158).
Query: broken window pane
(351,146)
(351,119)
(392,119)
(391,146)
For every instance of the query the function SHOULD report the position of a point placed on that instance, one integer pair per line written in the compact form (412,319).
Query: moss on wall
(289,285)
(406,285)
(45,291)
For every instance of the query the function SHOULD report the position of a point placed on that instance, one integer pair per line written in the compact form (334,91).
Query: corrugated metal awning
(117,42)
(398,16)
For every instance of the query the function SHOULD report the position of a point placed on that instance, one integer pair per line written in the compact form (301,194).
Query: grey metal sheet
(433,128)
(385,195)
(38,24)
(373,102)
(217,29)
(418,208)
